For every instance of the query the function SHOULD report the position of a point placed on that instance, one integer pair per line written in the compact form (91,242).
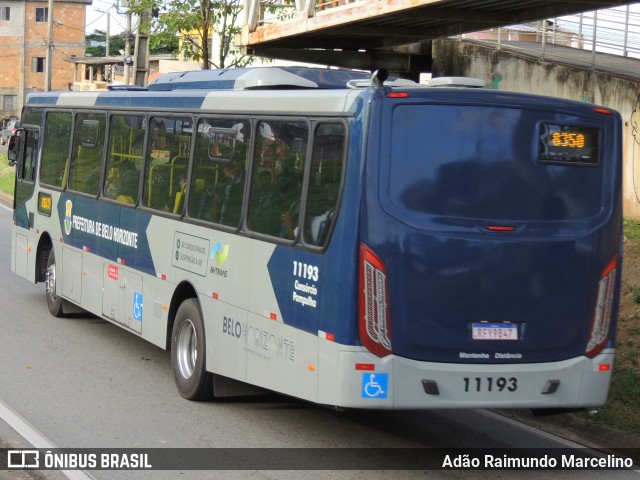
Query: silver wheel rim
(187,349)
(50,283)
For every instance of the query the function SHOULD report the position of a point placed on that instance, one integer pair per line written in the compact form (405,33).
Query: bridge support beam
(400,64)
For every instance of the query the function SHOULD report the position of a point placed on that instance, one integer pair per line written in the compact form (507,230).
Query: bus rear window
(485,162)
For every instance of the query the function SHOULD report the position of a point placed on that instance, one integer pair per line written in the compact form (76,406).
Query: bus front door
(26,147)
(24,152)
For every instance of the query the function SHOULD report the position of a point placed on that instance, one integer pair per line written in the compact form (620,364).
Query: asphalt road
(81,382)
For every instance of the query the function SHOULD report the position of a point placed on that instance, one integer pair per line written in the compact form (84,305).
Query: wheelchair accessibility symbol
(137,306)
(374,385)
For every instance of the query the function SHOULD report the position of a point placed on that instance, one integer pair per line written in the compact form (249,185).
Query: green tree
(116,43)
(166,44)
(198,22)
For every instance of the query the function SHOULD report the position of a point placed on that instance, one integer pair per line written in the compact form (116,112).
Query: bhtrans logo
(220,253)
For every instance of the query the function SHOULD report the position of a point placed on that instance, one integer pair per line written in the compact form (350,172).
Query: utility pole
(141,59)
(108,35)
(127,46)
(49,57)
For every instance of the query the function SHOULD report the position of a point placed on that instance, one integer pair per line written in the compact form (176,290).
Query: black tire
(188,353)
(54,302)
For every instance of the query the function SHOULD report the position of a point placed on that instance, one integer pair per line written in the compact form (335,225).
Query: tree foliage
(99,37)
(197,20)
(116,43)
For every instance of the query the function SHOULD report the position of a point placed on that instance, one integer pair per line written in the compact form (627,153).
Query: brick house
(23,48)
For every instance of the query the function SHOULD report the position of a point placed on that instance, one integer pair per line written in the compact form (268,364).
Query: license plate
(494,331)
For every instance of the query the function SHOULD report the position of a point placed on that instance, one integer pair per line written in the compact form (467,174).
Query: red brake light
(599,333)
(397,94)
(375,332)
(604,111)
(500,228)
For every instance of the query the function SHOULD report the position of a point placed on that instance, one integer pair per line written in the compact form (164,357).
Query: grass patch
(7,175)
(631,229)
(626,389)
(622,410)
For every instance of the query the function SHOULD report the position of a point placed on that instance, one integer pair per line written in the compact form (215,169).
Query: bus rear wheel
(54,302)
(188,353)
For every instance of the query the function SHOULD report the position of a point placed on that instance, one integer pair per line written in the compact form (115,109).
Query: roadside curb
(6,198)
(580,430)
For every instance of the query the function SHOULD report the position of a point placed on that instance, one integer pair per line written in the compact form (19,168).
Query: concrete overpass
(394,34)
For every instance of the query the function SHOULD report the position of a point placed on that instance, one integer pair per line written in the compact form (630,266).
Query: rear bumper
(400,383)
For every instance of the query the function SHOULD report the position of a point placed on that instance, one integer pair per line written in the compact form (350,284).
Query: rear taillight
(375,332)
(603,314)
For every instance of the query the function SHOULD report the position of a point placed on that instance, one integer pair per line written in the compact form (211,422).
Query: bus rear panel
(490,250)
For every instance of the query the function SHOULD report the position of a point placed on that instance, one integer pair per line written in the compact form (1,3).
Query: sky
(97,17)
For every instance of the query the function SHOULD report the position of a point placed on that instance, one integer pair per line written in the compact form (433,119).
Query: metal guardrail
(613,30)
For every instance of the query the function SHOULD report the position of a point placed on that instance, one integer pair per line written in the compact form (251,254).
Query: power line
(112,7)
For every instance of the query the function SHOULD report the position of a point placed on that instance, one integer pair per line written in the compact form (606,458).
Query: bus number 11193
(306,271)
(490,384)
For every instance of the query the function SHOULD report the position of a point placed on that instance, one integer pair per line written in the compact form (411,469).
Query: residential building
(24,45)
(530,32)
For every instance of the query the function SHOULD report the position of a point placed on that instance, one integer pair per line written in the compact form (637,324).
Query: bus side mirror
(13,149)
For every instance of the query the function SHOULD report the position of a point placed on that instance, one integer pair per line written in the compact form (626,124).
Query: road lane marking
(35,438)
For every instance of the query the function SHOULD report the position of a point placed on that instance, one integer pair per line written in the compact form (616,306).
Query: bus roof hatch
(256,78)
(464,82)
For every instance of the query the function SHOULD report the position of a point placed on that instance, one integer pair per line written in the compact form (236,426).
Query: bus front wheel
(188,353)
(54,302)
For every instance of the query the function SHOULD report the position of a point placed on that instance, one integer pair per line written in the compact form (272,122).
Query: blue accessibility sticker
(137,306)
(375,385)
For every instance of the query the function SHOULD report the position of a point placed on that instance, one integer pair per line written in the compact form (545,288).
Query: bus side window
(86,153)
(126,136)
(326,175)
(219,166)
(25,146)
(204,173)
(28,170)
(166,164)
(276,186)
(55,150)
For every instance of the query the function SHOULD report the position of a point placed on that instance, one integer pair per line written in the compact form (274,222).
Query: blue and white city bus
(344,240)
